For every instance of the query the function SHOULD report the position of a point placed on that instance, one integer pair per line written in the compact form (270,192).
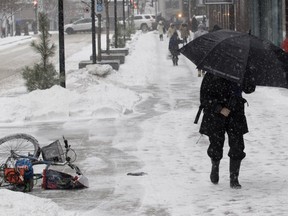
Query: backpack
(20,176)
(26,165)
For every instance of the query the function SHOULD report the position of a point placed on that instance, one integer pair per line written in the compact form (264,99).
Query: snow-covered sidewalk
(154,104)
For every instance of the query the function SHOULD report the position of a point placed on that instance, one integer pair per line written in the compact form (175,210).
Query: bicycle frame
(48,163)
(37,161)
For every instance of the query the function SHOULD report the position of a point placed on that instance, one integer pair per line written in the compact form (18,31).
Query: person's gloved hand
(224,111)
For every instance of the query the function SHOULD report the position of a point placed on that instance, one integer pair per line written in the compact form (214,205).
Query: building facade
(266,19)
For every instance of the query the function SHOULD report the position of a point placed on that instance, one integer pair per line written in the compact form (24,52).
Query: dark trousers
(236,144)
(184,40)
(175,59)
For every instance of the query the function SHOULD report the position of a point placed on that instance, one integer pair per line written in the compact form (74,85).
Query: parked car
(142,22)
(81,25)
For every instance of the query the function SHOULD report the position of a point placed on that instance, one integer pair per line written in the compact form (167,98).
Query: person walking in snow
(171,30)
(184,32)
(194,24)
(160,28)
(223,107)
(174,47)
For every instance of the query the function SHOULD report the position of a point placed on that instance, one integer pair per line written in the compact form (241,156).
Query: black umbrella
(236,55)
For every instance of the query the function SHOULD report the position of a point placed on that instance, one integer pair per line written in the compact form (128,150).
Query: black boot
(174,60)
(234,173)
(214,175)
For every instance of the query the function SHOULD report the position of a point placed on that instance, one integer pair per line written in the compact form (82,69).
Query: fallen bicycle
(20,153)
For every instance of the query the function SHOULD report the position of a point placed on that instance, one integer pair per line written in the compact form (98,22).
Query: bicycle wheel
(22,144)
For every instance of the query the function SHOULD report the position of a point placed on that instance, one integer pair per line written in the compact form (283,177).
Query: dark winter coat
(184,31)
(216,93)
(194,24)
(174,44)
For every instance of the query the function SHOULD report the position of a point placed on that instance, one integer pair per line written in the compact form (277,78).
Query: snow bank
(18,203)
(84,97)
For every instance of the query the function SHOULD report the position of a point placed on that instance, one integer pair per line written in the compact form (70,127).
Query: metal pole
(36,18)
(189,10)
(124,23)
(115,20)
(61,43)
(156,8)
(99,37)
(129,8)
(93,31)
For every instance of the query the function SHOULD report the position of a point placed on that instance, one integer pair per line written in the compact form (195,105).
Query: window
(137,17)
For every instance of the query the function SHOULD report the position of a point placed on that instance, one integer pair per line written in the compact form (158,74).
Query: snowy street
(140,120)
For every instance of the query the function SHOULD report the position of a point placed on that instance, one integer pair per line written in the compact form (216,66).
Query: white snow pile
(99,70)
(26,204)
(84,97)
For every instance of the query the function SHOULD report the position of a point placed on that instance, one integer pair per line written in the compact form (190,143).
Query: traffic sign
(99,7)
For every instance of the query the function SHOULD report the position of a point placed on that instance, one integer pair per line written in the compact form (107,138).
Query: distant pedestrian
(171,30)
(194,24)
(17,29)
(204,21)
(160,28)
(184,32)
(3,32)
(174,47)
(26,29)
(201,31)
(3,29)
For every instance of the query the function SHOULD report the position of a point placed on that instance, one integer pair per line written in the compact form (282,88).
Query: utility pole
(99,16)
(128,9)
(156,8)
(190,10)
(93,31)
(115,20)
(61,43)
(124,23)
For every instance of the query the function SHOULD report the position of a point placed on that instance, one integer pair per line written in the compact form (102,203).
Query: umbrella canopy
(236,55)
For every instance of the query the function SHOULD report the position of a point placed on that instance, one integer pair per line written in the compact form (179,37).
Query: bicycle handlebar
(66,143)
